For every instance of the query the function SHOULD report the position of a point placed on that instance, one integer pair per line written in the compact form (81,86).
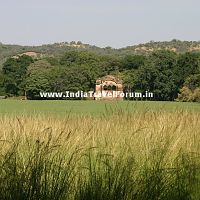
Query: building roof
(111,78)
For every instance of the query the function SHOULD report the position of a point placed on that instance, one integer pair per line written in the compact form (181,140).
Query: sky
(115,23)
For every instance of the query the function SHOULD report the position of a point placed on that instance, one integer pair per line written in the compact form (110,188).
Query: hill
(57,49)
(174,45)
(75,67)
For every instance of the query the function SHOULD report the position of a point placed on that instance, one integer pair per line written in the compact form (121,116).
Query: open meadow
(91,107)
(88,150)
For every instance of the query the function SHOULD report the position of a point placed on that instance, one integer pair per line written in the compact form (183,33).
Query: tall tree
(14,71)
(188,64)
(38,78)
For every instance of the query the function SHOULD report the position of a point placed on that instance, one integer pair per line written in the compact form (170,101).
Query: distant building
(109,88)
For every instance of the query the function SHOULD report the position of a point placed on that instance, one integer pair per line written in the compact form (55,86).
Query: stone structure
(109,88)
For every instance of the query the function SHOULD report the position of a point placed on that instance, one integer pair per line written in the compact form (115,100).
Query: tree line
(170,76)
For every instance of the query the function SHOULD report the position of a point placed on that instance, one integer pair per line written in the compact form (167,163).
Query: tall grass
(120,156)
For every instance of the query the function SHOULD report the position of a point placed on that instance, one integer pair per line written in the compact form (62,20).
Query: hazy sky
(116,23)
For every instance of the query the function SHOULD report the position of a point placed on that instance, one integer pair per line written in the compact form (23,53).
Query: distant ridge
(57,49)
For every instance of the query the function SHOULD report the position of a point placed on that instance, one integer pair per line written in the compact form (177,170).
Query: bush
(188,95)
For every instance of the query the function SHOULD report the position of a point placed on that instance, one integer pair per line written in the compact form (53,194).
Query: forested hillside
(60,48)
(171,70)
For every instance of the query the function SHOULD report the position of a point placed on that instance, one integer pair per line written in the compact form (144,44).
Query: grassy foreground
(121,156)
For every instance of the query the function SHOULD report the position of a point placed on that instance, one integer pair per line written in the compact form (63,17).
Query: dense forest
(171,70)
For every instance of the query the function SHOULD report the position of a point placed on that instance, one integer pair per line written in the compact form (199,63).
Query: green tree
(75,78)
(2,89)
(133,62)
(188,64)
(76,57)
(157,75)
(14,71)
(38,78)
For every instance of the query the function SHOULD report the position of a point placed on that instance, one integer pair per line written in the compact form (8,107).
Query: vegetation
(94,108)
(164,72)
(60,48)
(80,150)
(148,155)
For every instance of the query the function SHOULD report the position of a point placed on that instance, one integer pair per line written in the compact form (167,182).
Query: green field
(90,107)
